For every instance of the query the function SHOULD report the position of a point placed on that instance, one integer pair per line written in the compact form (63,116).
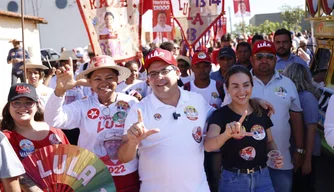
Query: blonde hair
(300,77)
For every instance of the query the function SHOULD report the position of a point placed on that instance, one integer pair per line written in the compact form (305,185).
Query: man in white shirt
(161,23)
(167,131)
(282,94)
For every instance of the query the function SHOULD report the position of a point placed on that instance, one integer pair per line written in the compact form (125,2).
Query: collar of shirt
(279,58)
(276,76)
(184,97)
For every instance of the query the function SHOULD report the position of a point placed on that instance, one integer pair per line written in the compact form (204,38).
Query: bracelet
(301,151)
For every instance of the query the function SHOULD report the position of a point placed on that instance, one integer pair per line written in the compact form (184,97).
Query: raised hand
(65,78)
(138,132)
(235,129)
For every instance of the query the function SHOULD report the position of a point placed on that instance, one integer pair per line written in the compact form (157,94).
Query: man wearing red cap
(282,94)
(166,128)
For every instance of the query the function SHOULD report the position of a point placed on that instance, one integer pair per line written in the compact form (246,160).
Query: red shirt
(24,146)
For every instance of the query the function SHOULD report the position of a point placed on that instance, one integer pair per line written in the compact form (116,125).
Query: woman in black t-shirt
(242,132)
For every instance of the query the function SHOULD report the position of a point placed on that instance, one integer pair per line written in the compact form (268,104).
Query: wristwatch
(301,151)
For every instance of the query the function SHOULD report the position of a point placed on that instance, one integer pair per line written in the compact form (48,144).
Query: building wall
(10,28)
(65,27)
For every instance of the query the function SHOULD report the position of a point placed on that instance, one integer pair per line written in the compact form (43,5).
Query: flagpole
(23,45)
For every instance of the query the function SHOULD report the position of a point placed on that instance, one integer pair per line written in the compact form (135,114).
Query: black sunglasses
(268,56)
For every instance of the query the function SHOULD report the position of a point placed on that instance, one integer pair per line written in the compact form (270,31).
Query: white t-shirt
(10,165)
(159,28)
(186,79)
(97,123)
(43,93)
(210,93)
(281,92)
(138,86)
(172,160)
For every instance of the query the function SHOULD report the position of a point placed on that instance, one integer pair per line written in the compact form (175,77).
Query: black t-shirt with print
(247,152)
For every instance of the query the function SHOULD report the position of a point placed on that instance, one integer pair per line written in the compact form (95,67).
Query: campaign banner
(196,17)
(162,21)
(113,27)
(241,8)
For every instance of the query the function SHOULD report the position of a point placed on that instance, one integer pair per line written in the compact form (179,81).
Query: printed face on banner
(195,17)
(241,8)
(162,22)
(112,26)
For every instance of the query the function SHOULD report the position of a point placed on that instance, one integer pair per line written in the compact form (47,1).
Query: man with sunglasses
(282,94)
(167,129)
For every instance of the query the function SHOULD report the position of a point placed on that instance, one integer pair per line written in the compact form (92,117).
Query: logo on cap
(201,55)
(156,53)
(22,89)
(264,44)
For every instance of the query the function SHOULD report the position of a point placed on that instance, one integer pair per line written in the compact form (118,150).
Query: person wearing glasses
(24,127)
(282,93)
(97,116)
(167,128)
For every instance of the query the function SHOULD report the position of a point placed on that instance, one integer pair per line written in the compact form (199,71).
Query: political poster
(113,27)
(162,21)
(196,17)
(241,8)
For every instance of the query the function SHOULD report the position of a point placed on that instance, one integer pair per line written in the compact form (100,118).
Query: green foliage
(291,19)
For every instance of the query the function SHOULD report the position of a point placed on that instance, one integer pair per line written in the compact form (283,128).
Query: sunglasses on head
(268,56)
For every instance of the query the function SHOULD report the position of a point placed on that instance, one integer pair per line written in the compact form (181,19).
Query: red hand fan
(68,168)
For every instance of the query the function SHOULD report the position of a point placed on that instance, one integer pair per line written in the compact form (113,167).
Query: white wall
(65,27)
(10,28)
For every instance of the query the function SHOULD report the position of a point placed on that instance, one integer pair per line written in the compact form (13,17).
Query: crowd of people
(235,117)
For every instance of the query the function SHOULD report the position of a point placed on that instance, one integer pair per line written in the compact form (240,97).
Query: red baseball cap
(199,57)
(159,55)
(263,45)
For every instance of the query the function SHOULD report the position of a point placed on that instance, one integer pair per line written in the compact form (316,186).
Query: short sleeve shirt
(246,152)
(282,93)
(24,146)
(16,54)
(10,165)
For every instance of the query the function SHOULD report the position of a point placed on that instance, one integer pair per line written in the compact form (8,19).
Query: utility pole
(229,14)
(23,46)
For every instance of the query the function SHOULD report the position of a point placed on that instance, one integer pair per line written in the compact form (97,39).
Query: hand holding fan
(68,168)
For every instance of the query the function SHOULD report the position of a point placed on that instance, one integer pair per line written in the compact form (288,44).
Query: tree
(293,16)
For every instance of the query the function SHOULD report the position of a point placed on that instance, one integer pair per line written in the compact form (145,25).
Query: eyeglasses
(268,56)
(27,104)
(163,72)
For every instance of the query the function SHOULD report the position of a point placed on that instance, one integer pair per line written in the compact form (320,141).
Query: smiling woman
(24,127)
(100,117)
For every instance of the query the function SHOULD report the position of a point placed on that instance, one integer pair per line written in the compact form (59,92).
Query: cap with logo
(263,45)
(200,57)
(227,52)
(105,61)
(22,90)
(159,55)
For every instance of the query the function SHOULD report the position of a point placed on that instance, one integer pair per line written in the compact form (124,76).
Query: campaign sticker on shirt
(54,139)
(119,117)
(247,153)
(281,91)
(191,113)
(214,95)
(27,147)
(258,132)
(93,113)
(122,106)
(197,134)
(157,116)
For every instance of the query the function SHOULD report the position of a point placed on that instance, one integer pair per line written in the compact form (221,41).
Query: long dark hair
(8,122)
(241,69)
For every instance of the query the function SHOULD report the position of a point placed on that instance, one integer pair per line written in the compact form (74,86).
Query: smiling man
(167,131)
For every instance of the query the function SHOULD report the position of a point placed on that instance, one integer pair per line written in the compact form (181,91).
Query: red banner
(196,17)
(162,21)
(241,8)
(113,27)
